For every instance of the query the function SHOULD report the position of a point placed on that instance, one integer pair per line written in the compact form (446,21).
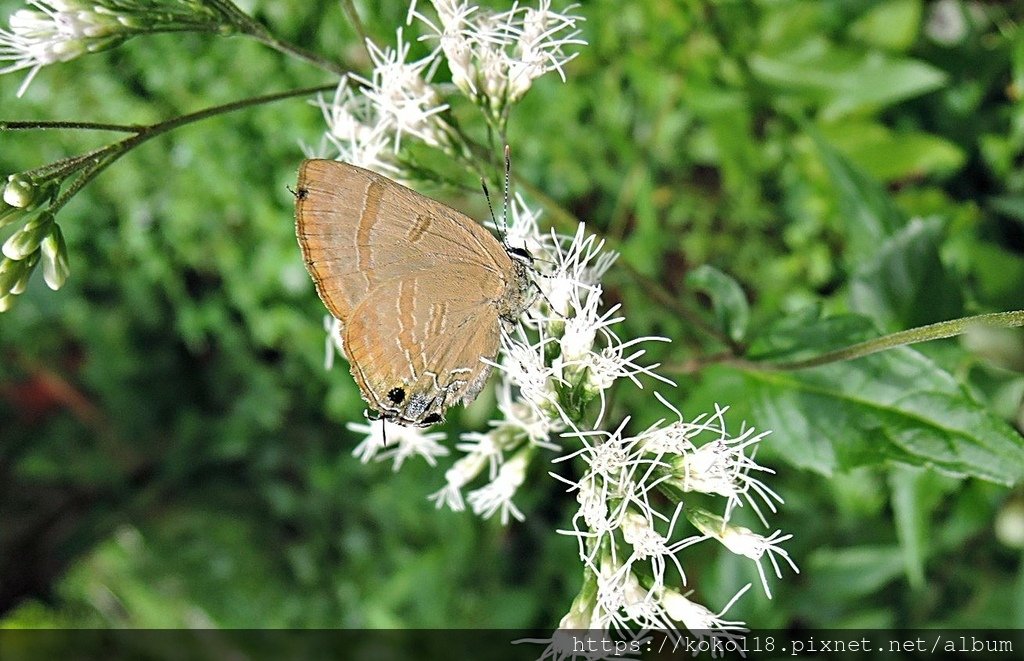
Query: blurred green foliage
(811,172)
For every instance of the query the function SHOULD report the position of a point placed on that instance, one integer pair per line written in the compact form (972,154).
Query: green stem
(46,125)
(249,26)
(103,157)
(941,330)
(357,24)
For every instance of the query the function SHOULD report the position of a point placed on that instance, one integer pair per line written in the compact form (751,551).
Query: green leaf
(891,25)
(887,155)
(732,312)
(895,406)
(997,274)
(911,501)
(1009,205)
(870,214)
(855,571)
(906,284)
(843,82)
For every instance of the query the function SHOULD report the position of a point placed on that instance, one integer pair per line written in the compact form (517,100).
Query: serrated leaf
(892,406)
(905,283)
(732,312)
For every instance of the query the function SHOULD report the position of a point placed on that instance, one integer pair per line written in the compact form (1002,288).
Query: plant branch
(937,331)
(249,26)
(357,24)
(42,125)
(105,156)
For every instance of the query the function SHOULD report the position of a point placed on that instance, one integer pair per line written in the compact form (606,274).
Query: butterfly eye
(396,395)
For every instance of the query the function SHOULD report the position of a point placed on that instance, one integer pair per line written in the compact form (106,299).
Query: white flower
(700,619)
(462,472)
(745,542)
(618,474)
(495,57)
(638,531)
(358,131)
(401,92)
(522,230)
(520,418)
(386,440)
(497,496)
(523,365)
(55,31)
(539,45)
(333,343)
(486,447)
(719,466)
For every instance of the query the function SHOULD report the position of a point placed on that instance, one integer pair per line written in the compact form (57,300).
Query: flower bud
(26,240)
(10,271)
(19,191)
(55,258)
(8,214)
(25,272)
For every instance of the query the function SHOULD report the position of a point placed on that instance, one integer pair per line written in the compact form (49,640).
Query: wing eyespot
(396,395)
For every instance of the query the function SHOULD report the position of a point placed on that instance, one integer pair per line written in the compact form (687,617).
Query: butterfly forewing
(358,229)
(417,286)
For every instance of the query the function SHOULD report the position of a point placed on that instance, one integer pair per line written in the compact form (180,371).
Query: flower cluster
(493,57)
(557,365)
(55,31)
(555,368)
(367,117)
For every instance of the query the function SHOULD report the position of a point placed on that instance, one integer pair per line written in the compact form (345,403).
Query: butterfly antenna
(490,209)
(508,177)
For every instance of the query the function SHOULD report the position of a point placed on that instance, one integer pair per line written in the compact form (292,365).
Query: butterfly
(420,290)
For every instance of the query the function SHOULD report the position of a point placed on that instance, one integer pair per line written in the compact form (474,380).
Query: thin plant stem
(42,125)
(249,26)
(349,8)
(105,156)
(937,331)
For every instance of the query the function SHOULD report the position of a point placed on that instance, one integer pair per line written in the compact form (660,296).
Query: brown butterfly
(420,289)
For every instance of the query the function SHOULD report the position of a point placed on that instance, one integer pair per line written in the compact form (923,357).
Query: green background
(173,454)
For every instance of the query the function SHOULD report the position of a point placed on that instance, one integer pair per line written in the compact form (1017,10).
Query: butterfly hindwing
(416,344)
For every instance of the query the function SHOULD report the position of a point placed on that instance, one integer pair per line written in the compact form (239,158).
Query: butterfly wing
(358,229)
(415,343)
